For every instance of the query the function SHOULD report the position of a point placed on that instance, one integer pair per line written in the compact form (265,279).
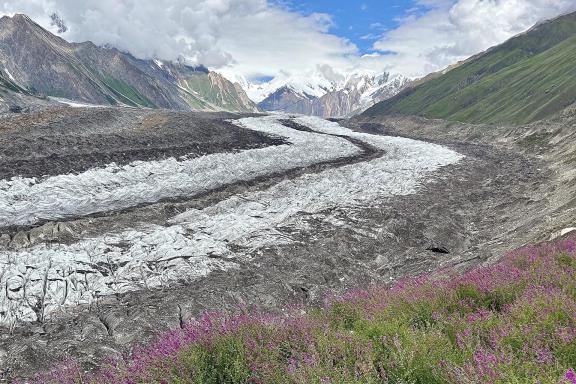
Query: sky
(362,22)
(263,39)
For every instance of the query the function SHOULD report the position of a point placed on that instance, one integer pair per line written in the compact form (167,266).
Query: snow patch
(9,74)
(158,63)
(561,233)
(76,104)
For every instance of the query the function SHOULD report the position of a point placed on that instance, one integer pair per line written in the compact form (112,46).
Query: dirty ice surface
(197,241)
(27,201)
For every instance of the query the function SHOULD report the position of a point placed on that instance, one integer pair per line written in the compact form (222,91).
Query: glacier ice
(27,201)
(186,246)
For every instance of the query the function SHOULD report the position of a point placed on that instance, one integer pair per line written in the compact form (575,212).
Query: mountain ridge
(47,65)
(336,99)
(525,79)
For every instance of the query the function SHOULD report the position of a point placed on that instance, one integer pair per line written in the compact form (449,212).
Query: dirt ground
(61,140)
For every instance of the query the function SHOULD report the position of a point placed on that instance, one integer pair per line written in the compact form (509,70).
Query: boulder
(15,109)
(4,240)
(438,249)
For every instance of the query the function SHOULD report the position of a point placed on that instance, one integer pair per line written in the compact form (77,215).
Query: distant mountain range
(34,62)
(342,95)
(37,67)
(528,78)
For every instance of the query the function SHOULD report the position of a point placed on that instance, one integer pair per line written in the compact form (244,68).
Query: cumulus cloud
(449,31)
(253,37)
(167,29)
(260,38)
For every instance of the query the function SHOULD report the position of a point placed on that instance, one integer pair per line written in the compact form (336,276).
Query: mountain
(289,99)
(359,93)
(336,95)
(14,98)
(44,64)
(529,77)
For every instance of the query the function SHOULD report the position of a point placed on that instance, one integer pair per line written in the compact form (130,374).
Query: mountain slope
(288,99)
(14,98)
(353,94)
(48,65)
(528,78)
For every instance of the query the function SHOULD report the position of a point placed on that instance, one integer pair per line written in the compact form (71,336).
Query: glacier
(198,241)
(28,201)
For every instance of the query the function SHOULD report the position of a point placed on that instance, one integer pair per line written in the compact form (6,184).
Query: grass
(528,78)
(512,322)
(205,93)
(126,93)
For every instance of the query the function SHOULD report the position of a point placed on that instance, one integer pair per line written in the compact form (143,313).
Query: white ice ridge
(26,201)
(161,255)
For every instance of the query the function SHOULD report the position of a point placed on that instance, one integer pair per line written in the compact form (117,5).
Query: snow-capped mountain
(324,94)
(312,84)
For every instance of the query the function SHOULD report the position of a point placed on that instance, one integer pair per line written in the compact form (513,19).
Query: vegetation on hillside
(528,78)
(126,93)
(512,322)
(203,91)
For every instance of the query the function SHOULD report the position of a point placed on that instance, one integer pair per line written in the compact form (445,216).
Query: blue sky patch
(362,22)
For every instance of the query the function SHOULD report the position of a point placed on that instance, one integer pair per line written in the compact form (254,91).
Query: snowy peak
(342,95)
(305,86)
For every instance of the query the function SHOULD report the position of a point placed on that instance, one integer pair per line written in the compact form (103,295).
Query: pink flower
(570,376)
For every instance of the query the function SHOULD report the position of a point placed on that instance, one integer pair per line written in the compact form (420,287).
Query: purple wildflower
(570,376)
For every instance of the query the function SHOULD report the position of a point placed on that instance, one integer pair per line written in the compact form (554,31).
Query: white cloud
(450,31)
(256,38)
(253,37)
(160,28)
(276,41)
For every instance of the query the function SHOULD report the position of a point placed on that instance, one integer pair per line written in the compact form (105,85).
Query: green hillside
(210,90)
(528,78)
(126,93)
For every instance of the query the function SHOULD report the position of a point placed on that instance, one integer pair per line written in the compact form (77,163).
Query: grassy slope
(203,88)
(513,322)
(528,78)
(13,94)
(195,91)
(126,94)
